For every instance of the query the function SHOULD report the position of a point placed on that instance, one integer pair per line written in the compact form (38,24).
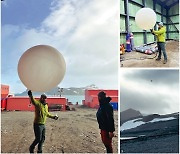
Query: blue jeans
(162,49)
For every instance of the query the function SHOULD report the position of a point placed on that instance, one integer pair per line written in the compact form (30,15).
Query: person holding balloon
(33,75)
(41,113)
(161,38)
(146,19)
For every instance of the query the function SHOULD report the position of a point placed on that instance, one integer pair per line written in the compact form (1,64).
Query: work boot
(158,59)
(39,151)
(31,150)
(165,61)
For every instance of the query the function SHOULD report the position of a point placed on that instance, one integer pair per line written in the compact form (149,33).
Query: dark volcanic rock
(156,144)
(150,117)
(129,115)
(155,128)
(152,137)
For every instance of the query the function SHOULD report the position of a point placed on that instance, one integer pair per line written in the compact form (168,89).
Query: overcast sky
(84,31)
(149,91)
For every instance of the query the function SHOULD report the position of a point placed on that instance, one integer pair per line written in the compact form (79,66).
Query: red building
(23,103)
(4,91)
(20,103)
(91,98)
(4,95)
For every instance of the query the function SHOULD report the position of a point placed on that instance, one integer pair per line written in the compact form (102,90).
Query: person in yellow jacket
(161,38)
(41,113)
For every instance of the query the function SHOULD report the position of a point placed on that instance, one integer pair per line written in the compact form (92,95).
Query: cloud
(4,3)
(157,76)
(85,32)
(160,95)
(151,102)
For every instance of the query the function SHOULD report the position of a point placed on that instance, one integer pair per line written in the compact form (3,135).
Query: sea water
(75,98)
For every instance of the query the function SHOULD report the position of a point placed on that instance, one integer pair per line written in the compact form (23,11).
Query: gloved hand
(29,93)
(55,117)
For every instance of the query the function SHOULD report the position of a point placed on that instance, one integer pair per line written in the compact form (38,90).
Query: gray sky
(85,32)
(149,91)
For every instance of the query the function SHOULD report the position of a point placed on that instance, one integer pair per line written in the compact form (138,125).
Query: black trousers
(39,132)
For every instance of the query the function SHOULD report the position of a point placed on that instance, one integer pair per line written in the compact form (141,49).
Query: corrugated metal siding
(158,17)
(122,23)
(134,27)
(150,38)
(174,36)
(122,7)
(164,11)
(174,10)
(123,39)
(139,1)
(133,9)
(138,37)
(158,8)
(149,4)
(175,19)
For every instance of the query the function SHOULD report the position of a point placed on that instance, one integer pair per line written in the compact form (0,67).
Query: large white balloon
(145,18)
(41,68)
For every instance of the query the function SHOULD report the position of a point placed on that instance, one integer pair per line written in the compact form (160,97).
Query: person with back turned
(161,38)
(41,113)
(105,120)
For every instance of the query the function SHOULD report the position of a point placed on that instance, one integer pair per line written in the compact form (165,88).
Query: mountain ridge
(62,91)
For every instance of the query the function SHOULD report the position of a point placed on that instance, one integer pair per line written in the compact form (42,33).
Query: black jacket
(105,116)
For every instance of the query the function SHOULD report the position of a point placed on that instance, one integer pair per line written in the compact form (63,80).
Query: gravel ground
(74,132)
(158,144)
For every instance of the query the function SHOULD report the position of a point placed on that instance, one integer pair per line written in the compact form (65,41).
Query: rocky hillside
(153,133)
(64,91)
(129,114)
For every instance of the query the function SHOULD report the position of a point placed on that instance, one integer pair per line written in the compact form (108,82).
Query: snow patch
(134,123)
(162,119)
(127,138)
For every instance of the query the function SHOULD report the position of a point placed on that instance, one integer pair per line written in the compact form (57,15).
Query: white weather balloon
(145,18)
(41,68)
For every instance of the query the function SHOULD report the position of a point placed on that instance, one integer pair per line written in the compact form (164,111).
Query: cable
(140,58)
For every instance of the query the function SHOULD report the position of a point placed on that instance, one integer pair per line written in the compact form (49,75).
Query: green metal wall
(161,16)
(150,38)
(138,39)
(122,6)
(175,19)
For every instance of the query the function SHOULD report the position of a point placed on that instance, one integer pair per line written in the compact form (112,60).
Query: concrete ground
(137,59)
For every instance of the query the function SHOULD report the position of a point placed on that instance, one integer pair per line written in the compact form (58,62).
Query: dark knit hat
(44,96)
